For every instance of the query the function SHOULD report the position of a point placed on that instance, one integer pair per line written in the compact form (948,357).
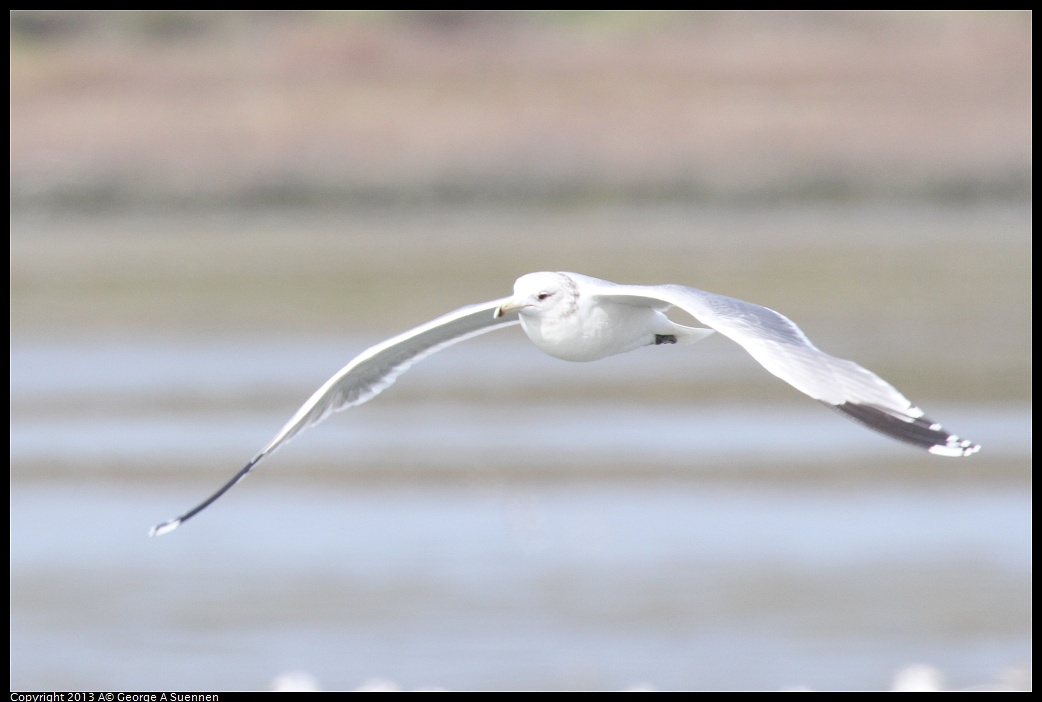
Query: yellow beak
(506,309)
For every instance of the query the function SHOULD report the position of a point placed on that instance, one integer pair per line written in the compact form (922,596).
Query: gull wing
(370,373)
(783,349)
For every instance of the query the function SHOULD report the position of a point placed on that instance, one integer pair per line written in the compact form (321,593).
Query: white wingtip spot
(955,447)
(164,528)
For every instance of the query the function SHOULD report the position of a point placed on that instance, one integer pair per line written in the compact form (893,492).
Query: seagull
(579,318)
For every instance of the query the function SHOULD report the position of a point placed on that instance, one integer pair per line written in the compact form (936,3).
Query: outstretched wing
(783,349)
(365,377)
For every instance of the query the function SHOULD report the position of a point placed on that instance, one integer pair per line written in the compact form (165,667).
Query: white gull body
(578,318)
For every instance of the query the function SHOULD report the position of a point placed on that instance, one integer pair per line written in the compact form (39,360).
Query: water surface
(499,519)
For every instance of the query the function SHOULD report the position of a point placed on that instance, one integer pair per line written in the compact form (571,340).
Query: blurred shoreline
(243,109)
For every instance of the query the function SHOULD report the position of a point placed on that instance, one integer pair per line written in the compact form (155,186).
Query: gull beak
(506,309)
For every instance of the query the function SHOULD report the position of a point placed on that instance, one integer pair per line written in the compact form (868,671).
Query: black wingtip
(918,431)
(168,526)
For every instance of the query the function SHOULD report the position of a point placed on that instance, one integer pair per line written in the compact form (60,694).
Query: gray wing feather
(783,349)
(376,368)
(365,377)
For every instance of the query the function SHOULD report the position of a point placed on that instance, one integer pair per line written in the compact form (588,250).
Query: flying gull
(578,318)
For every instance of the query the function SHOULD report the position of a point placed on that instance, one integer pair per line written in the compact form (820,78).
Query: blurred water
(586,545)
(188,402)
(499,519)
(526,587)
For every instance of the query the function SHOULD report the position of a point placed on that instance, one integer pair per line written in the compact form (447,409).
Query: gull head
(541,295)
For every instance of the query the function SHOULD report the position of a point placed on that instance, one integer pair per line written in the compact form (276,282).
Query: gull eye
(542,296)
